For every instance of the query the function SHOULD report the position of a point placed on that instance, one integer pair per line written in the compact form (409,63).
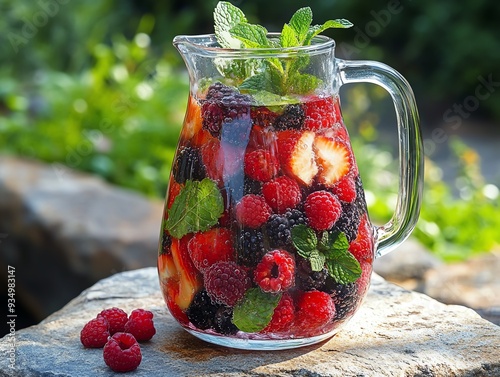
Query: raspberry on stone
(116,318)
(283,315)
(188,165)
(314,310)
(322,209)
(122,353)
(226,282)
(275,272)
(252,211)
(140,325)
(292,118)
(261,165)
(251,247)
(282,193)
(95,333)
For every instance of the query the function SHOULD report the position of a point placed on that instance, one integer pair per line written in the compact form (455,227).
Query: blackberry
(188,165)
(225,106)
(307,279)
(223,321)
(251,247)
(202,311)
(251,186)
(278,231)
(349,220)
(166,243)
(345,297)
(279,227)
(262,116)
(292,118)
(360,195)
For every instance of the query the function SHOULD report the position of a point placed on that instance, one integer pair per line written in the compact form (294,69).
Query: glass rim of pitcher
(207,45)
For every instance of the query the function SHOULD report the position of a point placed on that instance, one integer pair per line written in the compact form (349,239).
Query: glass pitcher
(266,242)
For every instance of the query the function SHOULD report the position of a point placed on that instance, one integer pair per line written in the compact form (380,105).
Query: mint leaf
(269,99)
(304,239)
(331,24)
(343,267)
(226,16)
(300,23)
(196,208)
(302,83)
(317,260)
(332,242)
(252,36)
(288,37)
(255,310)
(259,82)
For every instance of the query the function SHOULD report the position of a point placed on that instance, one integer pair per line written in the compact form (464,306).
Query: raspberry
(282,193)
(188,165)
(314,308)
(345,298)
(309,280)
(345,189)
(275,272)
(226,282)
(261,165)
(223,106)
(95,333)
(122,353)
(279,227)
(250,247)
(322,210)
(252,211)
(349,221)
(207,248)
(283,315)
(363,283)
(292,118)
(320,113)
(116,319)
(140,325)
(362,246)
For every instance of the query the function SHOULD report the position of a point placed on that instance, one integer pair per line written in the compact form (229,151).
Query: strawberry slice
(295,149)
(166,267)
(192,120)
(334,159)
(189,278)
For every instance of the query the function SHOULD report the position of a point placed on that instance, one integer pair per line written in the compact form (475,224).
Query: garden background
(98,87)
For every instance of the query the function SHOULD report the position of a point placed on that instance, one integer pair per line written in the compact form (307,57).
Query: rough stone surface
(64,231)
(395,333)
(474,283)
(410,260)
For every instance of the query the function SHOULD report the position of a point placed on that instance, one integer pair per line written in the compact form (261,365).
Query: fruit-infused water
(265,233)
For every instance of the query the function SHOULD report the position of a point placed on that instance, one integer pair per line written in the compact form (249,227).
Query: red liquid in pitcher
(266,233)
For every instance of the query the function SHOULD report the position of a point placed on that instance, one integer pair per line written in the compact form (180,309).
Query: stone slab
(395,333)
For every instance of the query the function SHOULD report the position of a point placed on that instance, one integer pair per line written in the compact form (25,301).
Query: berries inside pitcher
(266,233)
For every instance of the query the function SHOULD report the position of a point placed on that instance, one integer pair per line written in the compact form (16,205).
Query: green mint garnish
(255,310)
(197,207)
(279,76)
(331,250)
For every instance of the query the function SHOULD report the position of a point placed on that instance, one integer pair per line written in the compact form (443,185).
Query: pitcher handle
(411,163)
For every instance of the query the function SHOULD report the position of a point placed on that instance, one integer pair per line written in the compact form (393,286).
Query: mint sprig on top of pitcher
(277,76)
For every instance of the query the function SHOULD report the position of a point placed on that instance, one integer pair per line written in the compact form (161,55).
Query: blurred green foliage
(97,86)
